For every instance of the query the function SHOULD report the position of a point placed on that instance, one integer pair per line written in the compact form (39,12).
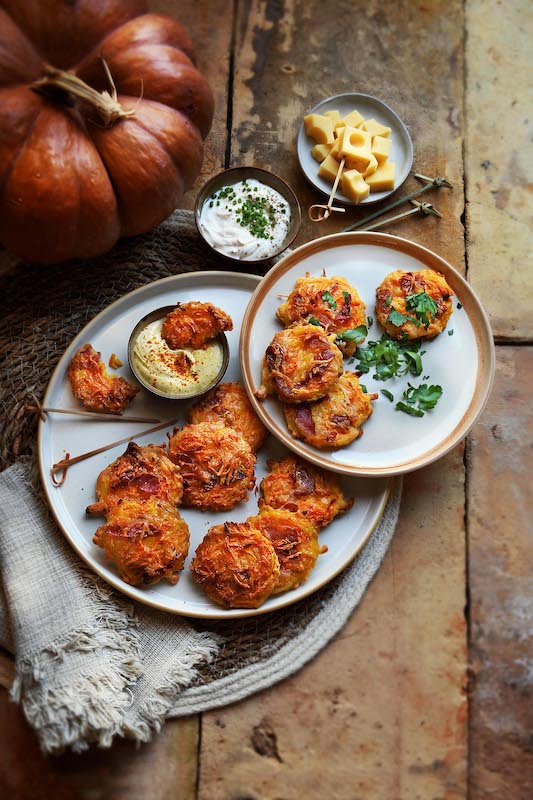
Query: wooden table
(425,693)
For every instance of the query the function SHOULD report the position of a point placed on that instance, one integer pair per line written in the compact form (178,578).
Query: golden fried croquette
(335,420)
(295,485)
(423,298)
(331,301)
(228,403)
(295,541)
(95,387)
(148,541)
(216,464)
(301,364)
(236,565)
(139,473)
(194,325)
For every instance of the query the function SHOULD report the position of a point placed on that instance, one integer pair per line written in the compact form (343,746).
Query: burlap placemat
(41,310)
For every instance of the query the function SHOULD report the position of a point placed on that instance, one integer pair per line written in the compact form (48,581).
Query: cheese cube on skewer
(328,169)
(353,185)
(356,147)
(320,152)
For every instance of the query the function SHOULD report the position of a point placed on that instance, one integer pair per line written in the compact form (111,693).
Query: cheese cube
(374,128)
(328,169)
(383,178)
(372,167)
(319,128)
(334,116)
(381,148)
(335,149)
(353,119)
(320,152)
(354,186)
(355,146)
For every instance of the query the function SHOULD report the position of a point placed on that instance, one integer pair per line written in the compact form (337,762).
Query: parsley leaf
(417,399)
(390,358)
(459,305)
(347,298)
(363,387)
(424,307)
(414,361)
(396,319)
(328,298)
(356,335)
(388,301)
(450,332)
(428,396)
(370,321)
(314,321)
(409,410)
(387,394)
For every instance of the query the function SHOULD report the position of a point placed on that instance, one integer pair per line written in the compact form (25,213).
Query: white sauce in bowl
(247,220)
(175,372)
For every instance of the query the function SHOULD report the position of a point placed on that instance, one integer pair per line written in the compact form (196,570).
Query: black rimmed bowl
(236,174)
(153,316)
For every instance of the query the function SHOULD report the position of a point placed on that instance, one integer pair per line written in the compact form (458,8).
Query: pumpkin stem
(106,105)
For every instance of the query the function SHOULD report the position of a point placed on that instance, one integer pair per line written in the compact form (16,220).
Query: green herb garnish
(409,410)
(424,307)
(450,332)
(370,321)
(328,298)
(390,358)
(363,387)
(388,301)
(356,335)
(459,305)
(314,321)
(387,394)
(417,399)
(396,319)
(347,297)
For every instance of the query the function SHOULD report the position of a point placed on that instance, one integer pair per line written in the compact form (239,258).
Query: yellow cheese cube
(383,178)
(335,149)
(320,152)
(355,146)
(319,128)
(372,167)
(374,128)
(354,186)
(353,119)
(328,169)
(334,116)
(381,148)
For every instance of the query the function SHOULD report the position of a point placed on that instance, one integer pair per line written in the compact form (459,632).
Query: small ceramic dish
(153,316)
(234,175)
(370,107)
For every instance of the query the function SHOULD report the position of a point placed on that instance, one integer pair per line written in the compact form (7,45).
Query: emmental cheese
(352,120)
(353,185)
(319,128)
(383,178)
(320,152)
(372,167)
(355,146)
(381,148)
(374,128)
(328,169)
(334,116)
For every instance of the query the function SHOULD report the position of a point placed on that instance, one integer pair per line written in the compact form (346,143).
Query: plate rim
(114,580)
(343,199)
(482,332)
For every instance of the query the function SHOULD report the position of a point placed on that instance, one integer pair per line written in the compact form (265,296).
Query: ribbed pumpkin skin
(69,185)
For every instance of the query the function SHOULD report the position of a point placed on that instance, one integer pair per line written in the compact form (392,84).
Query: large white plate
(109,333)
(370,107)
(463,364)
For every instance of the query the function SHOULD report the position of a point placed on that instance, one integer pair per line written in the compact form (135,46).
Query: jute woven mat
(41,310)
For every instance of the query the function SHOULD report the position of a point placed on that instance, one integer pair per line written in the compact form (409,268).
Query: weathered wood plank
(381,713)
(290,55)
(499,154)
(500,510)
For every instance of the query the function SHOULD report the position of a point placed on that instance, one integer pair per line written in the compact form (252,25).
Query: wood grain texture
(499,158)
(381,712)
(292,54)
(501,586)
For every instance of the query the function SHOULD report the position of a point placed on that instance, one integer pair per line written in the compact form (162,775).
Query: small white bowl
(401,150)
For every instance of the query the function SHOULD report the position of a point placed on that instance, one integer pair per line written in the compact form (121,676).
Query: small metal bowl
(160,313)
(231,176)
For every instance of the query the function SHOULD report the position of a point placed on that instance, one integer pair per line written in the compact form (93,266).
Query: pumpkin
(102,117)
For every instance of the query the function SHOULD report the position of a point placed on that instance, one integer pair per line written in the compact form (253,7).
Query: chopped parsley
(459,305)
(347,297)
(370,321)
(314,321)
(424,307)
(390,358)
(356,335)
(396,319)
(363,387)
(387,394)
(328,298)
(418,399)
(450,332)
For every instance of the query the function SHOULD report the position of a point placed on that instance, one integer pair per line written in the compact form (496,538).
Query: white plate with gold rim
(109,333)
(369,107)
(463,363)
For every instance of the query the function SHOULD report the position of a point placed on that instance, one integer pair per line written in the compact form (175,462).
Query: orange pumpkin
(83,163)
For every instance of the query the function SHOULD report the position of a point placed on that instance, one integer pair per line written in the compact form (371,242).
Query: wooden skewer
(68,462)
(323,212)
(93,414)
